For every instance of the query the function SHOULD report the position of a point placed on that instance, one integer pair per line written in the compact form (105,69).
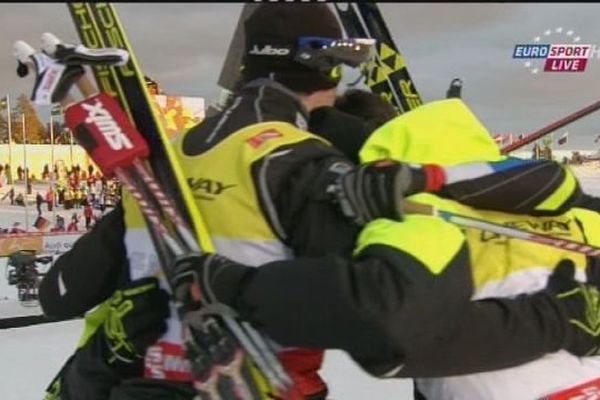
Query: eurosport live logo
(557,50)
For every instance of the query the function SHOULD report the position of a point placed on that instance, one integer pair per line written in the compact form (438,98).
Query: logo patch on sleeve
(260,138)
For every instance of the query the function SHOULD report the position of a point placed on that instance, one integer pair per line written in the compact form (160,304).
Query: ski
(230,71)
(122,156)
(99,27)
(387,74)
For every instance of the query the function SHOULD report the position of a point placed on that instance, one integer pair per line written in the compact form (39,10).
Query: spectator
(11,195)
(61,194)
(20,173)
(77,198)
(88,213)
(46,172)
(16,228)
(59,225)
(38,203)
(73,224)
(8,172)
(20,200)
(68,199)
(50,198)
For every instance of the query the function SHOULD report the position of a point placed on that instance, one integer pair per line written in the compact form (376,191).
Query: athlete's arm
(87,274)
(535,187)
(292,191)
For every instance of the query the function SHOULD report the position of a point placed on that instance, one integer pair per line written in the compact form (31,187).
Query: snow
(31,356)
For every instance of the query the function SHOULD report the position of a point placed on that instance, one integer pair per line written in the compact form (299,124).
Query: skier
(501,271)
(292,212)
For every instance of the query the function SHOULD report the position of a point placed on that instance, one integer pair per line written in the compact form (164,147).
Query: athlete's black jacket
(517,329)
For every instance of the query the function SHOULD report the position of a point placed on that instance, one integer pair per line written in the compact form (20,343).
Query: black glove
(376,190)
(218,277)
(581,303)
(136,319)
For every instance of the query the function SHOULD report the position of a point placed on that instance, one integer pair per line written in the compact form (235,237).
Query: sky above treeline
(183,45)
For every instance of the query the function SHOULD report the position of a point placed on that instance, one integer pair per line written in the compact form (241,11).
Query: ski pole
(410,207)
(551,128)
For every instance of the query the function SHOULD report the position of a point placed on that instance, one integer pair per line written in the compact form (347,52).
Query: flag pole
(52,177)
(9,122)
(26,172)
(71,148)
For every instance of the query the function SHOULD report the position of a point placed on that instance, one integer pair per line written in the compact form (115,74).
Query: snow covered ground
(30,357)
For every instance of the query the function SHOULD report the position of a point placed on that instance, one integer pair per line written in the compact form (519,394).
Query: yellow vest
(502,266)
(442,132)
(447,133)
(416,235)
(224,189)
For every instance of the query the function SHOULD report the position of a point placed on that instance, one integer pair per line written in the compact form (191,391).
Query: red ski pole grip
(104,131)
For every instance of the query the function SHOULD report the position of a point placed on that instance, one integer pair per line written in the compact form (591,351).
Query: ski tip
(49,43)
(23,51)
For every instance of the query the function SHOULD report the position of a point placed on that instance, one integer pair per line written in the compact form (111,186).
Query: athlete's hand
(376,190)
(136,318)
(211,275)
(581,305)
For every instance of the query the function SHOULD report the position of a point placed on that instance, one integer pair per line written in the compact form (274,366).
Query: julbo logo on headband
(268,50)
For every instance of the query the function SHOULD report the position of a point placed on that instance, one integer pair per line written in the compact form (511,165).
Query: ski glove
(136,319)
(581,302)
(376,190)
(214,276)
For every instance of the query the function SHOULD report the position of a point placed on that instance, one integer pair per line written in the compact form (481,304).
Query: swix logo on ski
(99,116)
(268,50)
(556,57)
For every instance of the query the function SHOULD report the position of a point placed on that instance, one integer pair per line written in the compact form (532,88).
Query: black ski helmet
(271,37)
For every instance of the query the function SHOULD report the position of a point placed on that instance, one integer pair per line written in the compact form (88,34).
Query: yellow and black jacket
(278,208)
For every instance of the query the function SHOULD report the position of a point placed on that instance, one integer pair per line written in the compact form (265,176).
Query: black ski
(387,75)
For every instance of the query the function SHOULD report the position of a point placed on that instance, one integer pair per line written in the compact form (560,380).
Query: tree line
(35,130)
